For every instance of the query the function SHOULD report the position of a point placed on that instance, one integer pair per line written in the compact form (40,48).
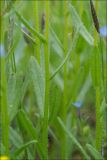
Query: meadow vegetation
(53,83)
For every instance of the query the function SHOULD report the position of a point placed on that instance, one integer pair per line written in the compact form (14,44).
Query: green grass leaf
(30,129)
(37,78)
(74,140)
(56,38)
(77,22)
(15,138)
(15,90)
(4,108)
(54,103)
(95,67)
(31,29)
(67,56)
(94,152)
(22,148)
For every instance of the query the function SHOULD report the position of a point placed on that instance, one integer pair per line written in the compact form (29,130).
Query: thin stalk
(37,27)
(105,84)
(81,7)
(98,121)
(46,103)
(98,99)
(3,100)
(64,107)
(4,110)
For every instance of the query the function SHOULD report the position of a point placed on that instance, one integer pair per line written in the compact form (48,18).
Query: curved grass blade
(68,54)
(22,148)
(74,140)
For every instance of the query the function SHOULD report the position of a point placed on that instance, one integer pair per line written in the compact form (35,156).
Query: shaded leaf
(30,129)
(22,148)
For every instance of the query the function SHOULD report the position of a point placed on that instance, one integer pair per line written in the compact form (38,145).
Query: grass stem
(37,27)
(64,109)
(46,103)
(4,110)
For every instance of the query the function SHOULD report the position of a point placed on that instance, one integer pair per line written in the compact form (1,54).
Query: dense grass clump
(53,83)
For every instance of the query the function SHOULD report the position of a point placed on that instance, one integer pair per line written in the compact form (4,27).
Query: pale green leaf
(77,22)
(94,152)
(37,78)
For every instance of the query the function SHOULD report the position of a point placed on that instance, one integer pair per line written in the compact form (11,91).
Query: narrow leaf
(32,30)
(56,38)
(74,140)
(54,103)
(78,23)
(15,138)
(22,148)
(15,90)
(67,56)
(95,66)
(36,76)
(94,152)
(30,129)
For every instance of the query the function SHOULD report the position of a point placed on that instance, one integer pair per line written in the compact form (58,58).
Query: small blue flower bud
(103,31)
(2,52)
(77,104)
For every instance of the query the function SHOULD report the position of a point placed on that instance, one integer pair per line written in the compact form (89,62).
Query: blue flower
(77,104)
(2,52)
(103,31)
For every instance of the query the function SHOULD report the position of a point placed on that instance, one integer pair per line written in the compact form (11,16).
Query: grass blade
(67,56)
(94,152)
(78,23)
(4,109)
(56,38)
(74,140)
(15,87)
(32,30)
(22,148)
(29,128)
(95,66)
(54,103)
(37,78)
(15,138)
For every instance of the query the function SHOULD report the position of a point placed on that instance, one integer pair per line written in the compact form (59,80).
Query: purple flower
(103,31)
(77,104)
